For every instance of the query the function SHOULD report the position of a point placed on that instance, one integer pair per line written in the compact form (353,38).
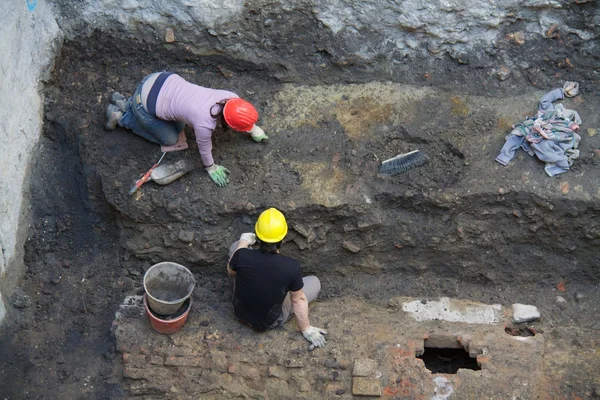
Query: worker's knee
(312,287)
(169,139)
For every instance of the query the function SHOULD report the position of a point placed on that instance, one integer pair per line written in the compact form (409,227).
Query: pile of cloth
(550,134)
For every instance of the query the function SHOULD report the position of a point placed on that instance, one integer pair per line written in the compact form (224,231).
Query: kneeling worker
(268,286)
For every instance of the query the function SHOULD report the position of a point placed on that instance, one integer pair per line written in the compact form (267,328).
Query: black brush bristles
(402,163)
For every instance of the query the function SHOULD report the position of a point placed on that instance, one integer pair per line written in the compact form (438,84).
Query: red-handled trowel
(146,176)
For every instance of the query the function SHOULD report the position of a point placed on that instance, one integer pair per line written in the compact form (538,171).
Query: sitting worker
(164,102)
(268,286)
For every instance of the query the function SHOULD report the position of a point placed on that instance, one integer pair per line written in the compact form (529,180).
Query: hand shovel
(146,176)
(167,173)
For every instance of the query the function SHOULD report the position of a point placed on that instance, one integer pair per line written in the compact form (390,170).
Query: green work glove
(258,135)
(218,174)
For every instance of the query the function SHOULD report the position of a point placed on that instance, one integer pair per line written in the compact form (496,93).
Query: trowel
(165,173)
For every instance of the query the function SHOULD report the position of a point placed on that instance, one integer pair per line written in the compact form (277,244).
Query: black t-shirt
(262,281)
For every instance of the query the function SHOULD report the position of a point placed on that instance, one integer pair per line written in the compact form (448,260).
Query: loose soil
(420,234)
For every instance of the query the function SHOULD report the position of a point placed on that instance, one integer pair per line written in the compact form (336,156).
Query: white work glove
(248,237)
(258,135)
(314,336)
(570,89)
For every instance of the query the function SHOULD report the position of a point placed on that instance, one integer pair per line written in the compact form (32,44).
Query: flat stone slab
(216,357)
(452,310)
(364,367)
(362,386)
(525,313)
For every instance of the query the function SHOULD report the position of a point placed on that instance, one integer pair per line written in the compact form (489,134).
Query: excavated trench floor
(461,226)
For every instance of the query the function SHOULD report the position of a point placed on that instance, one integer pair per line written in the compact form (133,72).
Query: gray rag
(558,153)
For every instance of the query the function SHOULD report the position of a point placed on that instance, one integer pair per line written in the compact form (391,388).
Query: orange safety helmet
(240,114)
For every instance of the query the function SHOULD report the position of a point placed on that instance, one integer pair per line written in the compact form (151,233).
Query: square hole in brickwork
(444,355)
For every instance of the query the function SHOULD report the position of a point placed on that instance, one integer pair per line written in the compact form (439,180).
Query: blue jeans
(148,126)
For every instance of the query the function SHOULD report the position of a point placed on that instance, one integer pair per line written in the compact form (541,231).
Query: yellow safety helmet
(271,226)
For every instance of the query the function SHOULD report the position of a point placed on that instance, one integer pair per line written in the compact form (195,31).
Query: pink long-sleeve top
(179,100)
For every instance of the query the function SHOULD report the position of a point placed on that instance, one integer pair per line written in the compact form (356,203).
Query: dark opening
(447,360)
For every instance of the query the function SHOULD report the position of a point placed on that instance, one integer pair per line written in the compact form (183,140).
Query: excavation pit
(460,226)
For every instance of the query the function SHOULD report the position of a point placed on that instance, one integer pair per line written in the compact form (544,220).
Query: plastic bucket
(168,285)
(167,326)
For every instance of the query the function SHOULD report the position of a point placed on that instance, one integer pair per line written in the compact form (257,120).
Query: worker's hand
(258,135)
(570,89)
(314,336)
(218,174)
(248,237)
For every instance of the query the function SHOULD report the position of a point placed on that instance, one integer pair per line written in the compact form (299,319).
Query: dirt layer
(90,243)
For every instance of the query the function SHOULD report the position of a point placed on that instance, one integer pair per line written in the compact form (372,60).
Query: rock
(592,132)
(302,244)
(366,387)
(518,37)
(302,229)
(368,222)
(524,313)
(169,35)
(536,227)
(350,246)
(561,301)
(349,227)
(19,299)
(340,392)
(293,363)
(364,367)
(277,372)
(579,297)
(503,73)
(517,213)
(564,187)
(186,236)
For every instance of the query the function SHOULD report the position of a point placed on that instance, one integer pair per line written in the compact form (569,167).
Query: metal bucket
(168,285)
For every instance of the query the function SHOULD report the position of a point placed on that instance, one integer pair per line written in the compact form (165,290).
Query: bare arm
(300,307)
(243,243)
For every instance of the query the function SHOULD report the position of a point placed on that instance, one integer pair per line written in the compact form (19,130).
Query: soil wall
(30,40)
(309,39)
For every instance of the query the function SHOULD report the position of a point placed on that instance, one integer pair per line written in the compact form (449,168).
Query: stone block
(524,313)
(364,367)
(368,222)
(185,361)
(351,246)
(169,35)
(186,236)
(277,372)
(135,360)
(249,372)
(157,360)
(362,386)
